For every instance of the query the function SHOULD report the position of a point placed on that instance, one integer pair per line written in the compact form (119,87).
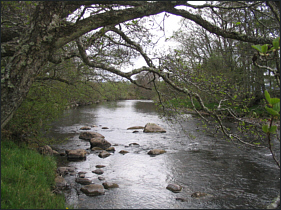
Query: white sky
(171,25)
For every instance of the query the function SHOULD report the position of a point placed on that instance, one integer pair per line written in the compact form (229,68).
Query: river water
(232,177)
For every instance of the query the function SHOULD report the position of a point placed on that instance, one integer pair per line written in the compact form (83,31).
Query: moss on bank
(27,179)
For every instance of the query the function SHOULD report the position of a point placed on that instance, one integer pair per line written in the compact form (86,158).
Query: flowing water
(231,177)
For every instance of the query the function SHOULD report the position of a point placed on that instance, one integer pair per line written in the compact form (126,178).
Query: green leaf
(272,129)
(257,47)
(276,107)
(271,111)
(267,96)
(265,128)
(238,23)
(274,100)
(275,43)
(264,48)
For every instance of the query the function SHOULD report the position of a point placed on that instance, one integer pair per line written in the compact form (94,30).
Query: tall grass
(27,178)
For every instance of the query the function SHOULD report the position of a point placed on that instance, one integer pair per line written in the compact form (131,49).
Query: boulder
(60,183)
(83,181)
(104,128)
(56,152)
(101,178)
(77,154)
(104,154)
(81,175)
(62,171)
(45,150)
(108,185)
(85,128)
(181,199)
(153,128)
(135,127)
(100,166)
(93,189)
(96,148)
(98,171)
(87,135)
(156,152)
(99,142)
(123,152)
(110,149)
(134,144)
(174,188)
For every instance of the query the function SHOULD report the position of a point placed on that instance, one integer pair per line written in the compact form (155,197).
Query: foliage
(27,179)
(273,108)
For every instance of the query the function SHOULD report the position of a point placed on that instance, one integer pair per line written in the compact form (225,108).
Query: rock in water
(99,142)
(84,181)
(98,171)
(85,128)
(93,189)
(89,135)
(156,152)
(123,152)
(104,154)
(78,154)
(153,128)
(108,185)
(135,127)
(174,188)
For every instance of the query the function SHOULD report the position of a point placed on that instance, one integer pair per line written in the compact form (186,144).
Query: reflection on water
(232,177)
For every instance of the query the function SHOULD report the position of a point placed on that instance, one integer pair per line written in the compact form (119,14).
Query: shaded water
(232,177)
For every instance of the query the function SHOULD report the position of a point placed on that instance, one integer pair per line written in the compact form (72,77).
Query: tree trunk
(32,53)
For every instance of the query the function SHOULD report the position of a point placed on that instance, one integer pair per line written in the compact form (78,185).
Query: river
(232,177)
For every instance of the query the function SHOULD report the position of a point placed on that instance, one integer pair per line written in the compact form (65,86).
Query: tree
(38,30)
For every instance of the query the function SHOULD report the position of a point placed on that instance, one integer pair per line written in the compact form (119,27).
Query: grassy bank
(27,179)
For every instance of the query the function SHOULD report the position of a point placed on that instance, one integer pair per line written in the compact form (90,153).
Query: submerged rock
(110,149)
(96,148)
(100,166)
(104,154)
(78,154)
(135,127)
(153,128)
(181,199)
(134,144)
(93,189)
(99,142)
(108,185)
(89,135)
(123,152)
(84,181)
(198,195)
(174,188)
(156,152)
(85,128)
(98,171)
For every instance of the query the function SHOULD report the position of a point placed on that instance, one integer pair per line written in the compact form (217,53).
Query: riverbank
(27,179)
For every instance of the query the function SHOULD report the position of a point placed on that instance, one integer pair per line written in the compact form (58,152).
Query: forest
(224,65)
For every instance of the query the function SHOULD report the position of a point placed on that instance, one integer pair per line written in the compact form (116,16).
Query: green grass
(27,178)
